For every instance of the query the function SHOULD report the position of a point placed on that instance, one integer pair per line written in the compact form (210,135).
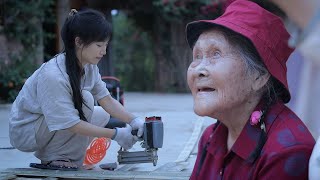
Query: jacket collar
(248,138)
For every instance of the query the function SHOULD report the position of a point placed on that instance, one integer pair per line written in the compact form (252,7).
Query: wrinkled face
(217,76)
(92,53)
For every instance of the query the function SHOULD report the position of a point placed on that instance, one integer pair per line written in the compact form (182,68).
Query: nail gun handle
(134,132)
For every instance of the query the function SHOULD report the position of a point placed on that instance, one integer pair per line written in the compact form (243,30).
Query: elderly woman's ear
(260,81)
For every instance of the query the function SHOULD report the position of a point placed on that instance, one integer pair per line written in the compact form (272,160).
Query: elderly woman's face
(217,76)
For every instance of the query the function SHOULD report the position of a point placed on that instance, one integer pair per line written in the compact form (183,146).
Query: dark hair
(90,26)
(273,91)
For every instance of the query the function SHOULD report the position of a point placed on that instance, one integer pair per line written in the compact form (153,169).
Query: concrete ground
(180,136)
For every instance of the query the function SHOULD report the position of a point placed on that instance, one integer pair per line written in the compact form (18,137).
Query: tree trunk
(173,56)
(105,65)
(63,9)
(39,55)
(163,65)
(181,55)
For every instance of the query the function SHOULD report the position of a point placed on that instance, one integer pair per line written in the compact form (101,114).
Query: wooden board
(30,173)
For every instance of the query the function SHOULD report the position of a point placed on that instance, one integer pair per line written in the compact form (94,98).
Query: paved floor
(179,123)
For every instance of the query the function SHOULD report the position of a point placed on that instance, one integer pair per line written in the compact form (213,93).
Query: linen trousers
(64,144)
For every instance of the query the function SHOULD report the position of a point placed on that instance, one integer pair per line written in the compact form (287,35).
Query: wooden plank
(26,178)
(92,174)
(7,176)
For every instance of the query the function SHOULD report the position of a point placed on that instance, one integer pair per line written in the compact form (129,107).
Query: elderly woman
(238,76)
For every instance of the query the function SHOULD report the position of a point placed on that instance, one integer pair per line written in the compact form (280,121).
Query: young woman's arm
(123,136)
(87,129)
(115,109)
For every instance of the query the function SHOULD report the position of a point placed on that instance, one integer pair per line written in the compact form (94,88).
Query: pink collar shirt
(285,154)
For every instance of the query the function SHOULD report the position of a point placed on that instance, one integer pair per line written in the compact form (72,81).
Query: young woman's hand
(124,137)
(137,124)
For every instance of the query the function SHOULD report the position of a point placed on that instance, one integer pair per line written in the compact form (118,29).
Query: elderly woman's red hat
(265,30)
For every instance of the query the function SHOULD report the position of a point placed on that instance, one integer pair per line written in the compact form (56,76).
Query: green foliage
(132,55)
(21,21)
(186,10)
(164,21)
(13,77)
(143,13)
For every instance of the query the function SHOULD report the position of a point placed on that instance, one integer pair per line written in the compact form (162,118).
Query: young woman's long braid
(73,67)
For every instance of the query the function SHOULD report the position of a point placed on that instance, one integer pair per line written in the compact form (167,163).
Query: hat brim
(194,29)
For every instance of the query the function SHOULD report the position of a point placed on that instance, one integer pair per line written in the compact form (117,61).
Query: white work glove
(137,124)
(124,137)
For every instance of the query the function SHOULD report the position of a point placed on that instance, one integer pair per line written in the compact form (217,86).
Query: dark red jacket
(285,154)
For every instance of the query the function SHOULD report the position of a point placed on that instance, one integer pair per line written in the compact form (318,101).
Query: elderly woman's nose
(201,69)
(202,73)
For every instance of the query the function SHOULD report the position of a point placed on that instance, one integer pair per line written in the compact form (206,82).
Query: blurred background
(148,51)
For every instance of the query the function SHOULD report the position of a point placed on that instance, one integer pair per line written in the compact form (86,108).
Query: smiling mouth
(206,89)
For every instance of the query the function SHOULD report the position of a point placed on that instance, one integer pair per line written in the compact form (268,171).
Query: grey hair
(273,89)
(254,64)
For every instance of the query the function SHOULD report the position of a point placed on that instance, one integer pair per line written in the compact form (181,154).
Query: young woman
(54,114)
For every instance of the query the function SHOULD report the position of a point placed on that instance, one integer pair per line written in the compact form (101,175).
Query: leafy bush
(22,22)
(132,55)
(180,10)
(22,18)
(13,76)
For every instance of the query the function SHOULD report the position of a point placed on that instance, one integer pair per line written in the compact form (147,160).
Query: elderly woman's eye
(216,53)
(213,53)
(197,56)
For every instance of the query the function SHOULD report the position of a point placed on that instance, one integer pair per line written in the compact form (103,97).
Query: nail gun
(152,139)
